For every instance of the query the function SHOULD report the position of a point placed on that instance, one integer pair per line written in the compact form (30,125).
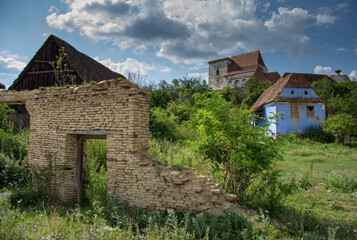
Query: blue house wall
(297,115)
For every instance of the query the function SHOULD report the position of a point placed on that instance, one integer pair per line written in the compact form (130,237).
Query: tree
(236,148)
(159,98)
(339,97)
(253,89)
(340,125)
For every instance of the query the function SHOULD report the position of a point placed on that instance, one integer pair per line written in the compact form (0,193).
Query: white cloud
(53,9)
(344,7)
(355,50)
(323,70)
(191,31)
(165,69)
(129,66)
(203,76)
(325,19)
(12,60)
(353,75)
(342,49)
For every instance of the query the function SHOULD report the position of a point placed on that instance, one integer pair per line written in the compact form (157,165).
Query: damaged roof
(83,65)
(296,80)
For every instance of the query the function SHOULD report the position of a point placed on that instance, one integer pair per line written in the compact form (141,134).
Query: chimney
(338,72)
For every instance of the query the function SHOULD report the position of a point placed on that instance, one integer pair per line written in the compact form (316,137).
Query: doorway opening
(92,169)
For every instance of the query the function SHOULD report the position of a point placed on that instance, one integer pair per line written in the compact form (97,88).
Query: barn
(44,70)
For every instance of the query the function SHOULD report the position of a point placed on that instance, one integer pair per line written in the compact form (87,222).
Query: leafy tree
(339,97)
(165,125)
(340,125)
(237,150)
(253,90)
(159,98)
(234,95)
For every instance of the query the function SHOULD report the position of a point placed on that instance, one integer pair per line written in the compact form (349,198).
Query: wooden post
(79,166)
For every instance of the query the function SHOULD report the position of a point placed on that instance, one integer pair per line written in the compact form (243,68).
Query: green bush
(96,188)
(13,172)
(37,190)
(165,125)
(14,146)
(4,112)
(340,125)
(266,191)
(317,134)
(237,149)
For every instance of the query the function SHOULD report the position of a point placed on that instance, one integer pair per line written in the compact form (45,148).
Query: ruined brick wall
(60,118)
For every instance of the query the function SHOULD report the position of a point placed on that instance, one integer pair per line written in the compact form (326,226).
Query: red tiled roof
(272,76)
(298,80)
(340,78)
(246,60)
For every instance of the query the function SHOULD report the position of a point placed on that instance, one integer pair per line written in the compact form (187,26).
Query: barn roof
(296,80)
(86,67)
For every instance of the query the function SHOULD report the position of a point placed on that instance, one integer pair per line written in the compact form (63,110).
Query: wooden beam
(14,99)
(41,61)
(89,132)
(63,71)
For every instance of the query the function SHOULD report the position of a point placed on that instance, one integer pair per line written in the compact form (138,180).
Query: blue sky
(171,39)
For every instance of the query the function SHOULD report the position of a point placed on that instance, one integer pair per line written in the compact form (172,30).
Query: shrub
(317,134)
(4,112)
(340,125)
(165,125)
(13,164)
(266,191)
(96,188)
(37,190)
(237,149)
(13,172)
(14,146)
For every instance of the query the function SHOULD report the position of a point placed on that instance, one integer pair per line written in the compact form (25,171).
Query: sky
(168,39)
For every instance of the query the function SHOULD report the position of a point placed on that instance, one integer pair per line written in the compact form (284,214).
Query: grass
(322,205)
(326,178)
(298,155)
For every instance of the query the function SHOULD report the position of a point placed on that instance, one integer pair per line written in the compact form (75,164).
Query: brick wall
(61,118)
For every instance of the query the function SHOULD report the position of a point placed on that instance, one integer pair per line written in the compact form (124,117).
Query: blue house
(292,96)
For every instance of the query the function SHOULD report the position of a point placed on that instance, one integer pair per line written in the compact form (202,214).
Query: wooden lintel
(14,99)
(89,132)
(39,72)
(301,100)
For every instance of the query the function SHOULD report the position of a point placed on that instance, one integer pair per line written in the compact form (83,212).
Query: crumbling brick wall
(60,118)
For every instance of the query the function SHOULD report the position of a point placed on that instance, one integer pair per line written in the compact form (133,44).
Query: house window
(306,93)
(217,72)
(292,92)
(310,111)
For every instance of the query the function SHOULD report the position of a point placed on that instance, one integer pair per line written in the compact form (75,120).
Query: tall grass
(177,154)
(117,222)
(96,187)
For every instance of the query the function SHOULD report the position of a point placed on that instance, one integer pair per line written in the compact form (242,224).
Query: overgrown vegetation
(310,195)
